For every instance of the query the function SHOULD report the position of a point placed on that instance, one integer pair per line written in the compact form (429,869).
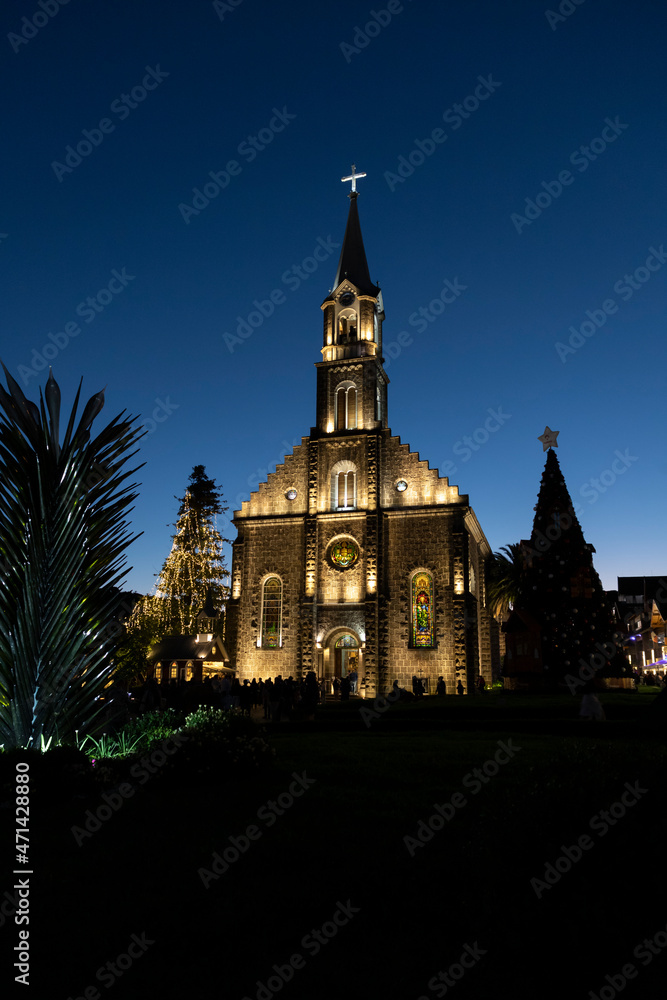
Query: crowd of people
(278,698)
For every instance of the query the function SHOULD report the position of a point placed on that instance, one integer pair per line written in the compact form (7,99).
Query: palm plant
(506,578)
(62,543)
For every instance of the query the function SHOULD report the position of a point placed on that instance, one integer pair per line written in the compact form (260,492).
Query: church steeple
(352,385)
(352,263)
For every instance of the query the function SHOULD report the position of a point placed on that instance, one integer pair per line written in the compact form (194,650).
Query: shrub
(154,727)
(223,742)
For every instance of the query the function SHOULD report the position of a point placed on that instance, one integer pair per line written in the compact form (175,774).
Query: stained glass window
(271,613)
(344,554)
(346,640)
(422,610)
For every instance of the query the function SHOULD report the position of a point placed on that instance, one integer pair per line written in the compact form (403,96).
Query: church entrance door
(346,656)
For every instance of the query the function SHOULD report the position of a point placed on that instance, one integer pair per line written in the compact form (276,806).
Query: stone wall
(270,547)
(428,526)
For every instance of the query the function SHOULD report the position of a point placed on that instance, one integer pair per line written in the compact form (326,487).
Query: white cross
(353,177)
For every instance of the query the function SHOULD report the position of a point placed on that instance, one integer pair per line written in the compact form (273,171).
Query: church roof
(186,647)
(353,264)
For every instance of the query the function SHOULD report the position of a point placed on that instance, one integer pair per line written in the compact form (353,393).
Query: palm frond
(62,543)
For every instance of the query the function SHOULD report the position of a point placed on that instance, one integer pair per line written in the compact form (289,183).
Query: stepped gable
(270,498)
(425,484)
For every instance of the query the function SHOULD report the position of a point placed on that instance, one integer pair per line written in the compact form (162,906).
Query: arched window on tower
(344,486)
(346,406)
(272,613)
(422,631)
(347,326)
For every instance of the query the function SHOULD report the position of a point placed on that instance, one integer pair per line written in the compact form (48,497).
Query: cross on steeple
(353,177)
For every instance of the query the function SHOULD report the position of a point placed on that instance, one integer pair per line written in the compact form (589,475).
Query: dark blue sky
(278,100)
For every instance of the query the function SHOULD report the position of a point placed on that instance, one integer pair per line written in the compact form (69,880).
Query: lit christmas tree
(563,591)
(194,573)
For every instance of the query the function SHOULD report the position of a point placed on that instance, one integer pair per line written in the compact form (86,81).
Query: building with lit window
(183,658)
(641,609)
(355,555)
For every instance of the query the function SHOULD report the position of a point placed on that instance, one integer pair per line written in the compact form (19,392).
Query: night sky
(513,214)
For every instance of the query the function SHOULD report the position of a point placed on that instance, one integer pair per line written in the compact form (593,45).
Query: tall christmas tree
(194,573)
(563,591)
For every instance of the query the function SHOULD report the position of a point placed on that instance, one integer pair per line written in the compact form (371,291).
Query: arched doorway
(342,656)
(345,650)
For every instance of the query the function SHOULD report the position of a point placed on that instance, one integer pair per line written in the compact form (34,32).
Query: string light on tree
(194,573)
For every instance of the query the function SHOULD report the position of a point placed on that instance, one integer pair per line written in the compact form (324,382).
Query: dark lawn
(343,839)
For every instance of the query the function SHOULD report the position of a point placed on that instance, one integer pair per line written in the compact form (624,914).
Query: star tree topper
(548,439)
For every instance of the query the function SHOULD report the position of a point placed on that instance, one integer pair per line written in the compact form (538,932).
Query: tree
(62,542)
(563,591)
(131,655)
(194,572)
(506,578)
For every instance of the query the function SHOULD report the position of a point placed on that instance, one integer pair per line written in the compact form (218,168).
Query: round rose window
(344,553)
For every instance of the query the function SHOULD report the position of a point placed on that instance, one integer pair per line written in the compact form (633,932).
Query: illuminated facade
(355,555)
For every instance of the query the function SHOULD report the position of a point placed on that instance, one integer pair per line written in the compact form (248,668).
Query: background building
(641,610)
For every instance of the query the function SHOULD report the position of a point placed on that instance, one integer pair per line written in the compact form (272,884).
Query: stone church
(355,555)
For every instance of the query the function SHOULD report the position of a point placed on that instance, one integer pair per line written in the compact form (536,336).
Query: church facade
(355,556)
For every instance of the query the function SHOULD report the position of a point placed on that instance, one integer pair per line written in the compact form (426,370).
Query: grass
(344,838)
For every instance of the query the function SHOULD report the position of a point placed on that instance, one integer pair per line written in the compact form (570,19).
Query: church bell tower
(351,382)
